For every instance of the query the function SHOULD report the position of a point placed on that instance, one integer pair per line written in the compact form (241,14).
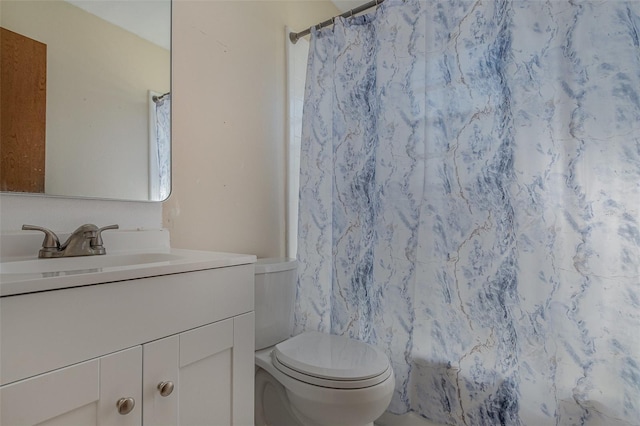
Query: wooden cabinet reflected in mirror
(104,136)
(23,85)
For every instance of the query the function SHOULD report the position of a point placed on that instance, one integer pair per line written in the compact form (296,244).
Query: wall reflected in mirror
(104,79)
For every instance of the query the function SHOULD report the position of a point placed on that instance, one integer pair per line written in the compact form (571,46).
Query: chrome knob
(165,388)
(125,405)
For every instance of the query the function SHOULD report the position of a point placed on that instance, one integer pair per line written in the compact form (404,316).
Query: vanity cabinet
(179,347)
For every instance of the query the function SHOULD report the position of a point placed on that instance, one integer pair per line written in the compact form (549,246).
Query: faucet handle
(50,238)
(96,244)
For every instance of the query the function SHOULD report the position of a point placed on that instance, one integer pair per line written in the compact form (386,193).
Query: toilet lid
(331,357)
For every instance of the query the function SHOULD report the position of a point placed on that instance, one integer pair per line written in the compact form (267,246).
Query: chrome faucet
(84,241)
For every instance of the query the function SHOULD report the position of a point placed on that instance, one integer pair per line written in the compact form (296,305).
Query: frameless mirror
(85,96)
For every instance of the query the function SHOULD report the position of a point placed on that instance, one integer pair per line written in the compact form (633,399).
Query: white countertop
(21,274)
(180,261)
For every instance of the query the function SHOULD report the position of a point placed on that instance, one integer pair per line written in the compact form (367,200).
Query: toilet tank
(275,296)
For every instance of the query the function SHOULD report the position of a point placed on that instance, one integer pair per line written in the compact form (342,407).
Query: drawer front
(41,332)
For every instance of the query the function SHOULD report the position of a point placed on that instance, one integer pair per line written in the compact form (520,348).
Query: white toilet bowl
(316,379)
(312,379)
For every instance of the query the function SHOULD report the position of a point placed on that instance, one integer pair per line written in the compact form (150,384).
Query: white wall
(63,215)
(229,126)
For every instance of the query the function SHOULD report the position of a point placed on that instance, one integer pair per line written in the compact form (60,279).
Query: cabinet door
(120,377)
(159,376)
(82,394)
(205,375)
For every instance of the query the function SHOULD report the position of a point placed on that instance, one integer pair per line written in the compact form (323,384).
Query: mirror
(85,94)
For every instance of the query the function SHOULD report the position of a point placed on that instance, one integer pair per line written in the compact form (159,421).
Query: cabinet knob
(125,405)
(165,388)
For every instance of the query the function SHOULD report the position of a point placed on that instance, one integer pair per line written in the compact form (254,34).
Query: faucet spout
(79,242)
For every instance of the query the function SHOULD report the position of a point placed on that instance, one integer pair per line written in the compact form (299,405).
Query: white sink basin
(31,275)
(83,263)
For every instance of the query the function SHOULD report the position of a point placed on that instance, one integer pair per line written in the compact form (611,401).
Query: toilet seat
(331,361)
(333,384)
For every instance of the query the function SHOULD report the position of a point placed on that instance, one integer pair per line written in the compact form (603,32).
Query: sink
(83,263)
(35,275)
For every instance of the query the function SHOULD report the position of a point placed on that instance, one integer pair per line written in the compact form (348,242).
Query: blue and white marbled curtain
(163,146)
(469,202)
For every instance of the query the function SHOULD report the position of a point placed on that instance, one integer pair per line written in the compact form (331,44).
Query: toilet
(312,379)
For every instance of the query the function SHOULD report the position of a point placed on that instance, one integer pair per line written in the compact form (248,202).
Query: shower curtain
(160,175)
(469,202)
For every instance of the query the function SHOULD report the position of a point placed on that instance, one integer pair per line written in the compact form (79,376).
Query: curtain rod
(294,37)
(157,98)
(160,99)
